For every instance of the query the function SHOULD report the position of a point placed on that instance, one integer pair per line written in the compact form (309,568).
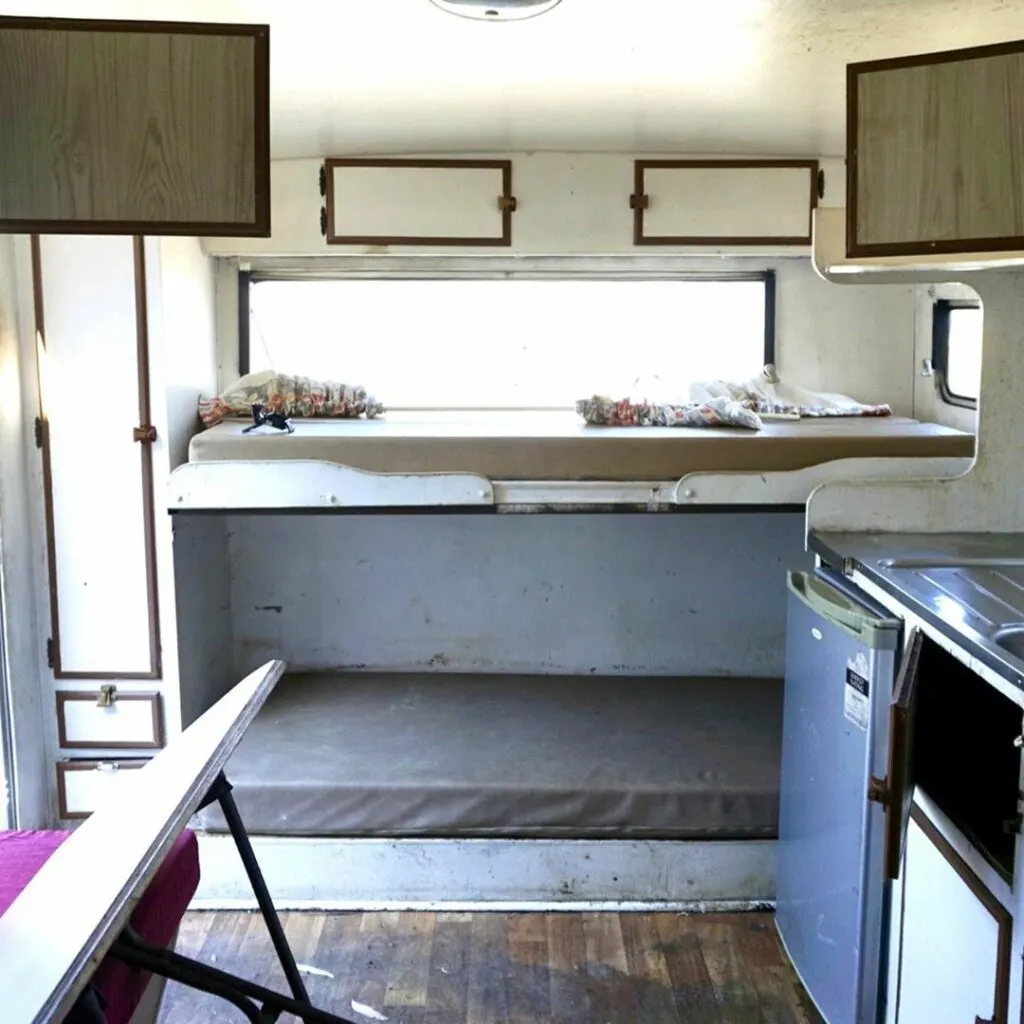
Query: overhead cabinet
(935,153)
(417,202)
(724,202)
(127,127)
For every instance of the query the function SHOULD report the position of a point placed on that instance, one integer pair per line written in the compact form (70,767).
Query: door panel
(92,342)
(897,791)
(955,961)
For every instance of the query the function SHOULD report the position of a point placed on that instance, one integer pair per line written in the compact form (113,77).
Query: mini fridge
(832,896)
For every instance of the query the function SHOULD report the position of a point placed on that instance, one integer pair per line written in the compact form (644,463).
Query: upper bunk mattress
(516,756)
(546,448)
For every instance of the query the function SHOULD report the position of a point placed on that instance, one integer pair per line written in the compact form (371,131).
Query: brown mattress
(515,756)
(546,449)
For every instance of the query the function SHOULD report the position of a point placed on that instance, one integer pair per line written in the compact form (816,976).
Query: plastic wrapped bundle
(716,412)
(291,396)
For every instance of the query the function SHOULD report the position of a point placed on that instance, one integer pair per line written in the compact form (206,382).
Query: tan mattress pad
(368,754)
(545,449)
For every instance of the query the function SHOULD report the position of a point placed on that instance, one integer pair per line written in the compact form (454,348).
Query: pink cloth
(156,916)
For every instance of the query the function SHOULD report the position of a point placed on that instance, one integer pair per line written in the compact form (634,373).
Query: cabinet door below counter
(955,956)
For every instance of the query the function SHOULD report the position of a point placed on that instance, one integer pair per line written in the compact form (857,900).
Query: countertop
(969,586)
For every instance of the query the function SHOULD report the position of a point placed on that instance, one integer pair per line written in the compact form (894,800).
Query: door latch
(878,790)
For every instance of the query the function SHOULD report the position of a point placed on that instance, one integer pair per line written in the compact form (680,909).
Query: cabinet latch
(108,694)
(639,201)
(878,791)
(144,435)
(508,204)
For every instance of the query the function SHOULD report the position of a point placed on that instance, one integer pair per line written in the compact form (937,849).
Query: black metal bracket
(260,1005)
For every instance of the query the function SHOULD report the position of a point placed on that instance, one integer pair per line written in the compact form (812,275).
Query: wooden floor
(494,968)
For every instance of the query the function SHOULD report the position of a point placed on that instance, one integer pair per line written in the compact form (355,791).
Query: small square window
(956,351)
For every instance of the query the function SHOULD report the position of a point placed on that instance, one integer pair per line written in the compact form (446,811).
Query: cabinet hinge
(49,652)
(878,791)
(1014,825)
(821,184)
(323,221)
(323,180)
(38,426)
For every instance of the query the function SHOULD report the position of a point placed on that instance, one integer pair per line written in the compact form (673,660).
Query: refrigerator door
(840,667)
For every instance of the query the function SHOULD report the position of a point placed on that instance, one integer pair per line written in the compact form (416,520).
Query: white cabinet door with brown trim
(381,201)
(95,438)
(955,945)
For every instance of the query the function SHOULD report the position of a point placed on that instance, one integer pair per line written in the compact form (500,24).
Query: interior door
(896,791)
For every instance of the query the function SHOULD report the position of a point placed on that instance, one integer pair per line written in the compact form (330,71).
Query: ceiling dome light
(496,10)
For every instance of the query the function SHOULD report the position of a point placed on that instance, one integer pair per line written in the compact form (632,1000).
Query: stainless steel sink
(1010,638)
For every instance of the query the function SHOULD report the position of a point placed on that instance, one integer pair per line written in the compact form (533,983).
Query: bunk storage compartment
(478,755)
(538,449)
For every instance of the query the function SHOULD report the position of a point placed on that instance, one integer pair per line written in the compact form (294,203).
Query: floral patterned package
(717,412)
(301,397)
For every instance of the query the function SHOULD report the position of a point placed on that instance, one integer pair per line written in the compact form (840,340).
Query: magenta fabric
(156,916)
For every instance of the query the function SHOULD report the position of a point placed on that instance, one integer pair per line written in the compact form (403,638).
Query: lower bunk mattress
(374,754)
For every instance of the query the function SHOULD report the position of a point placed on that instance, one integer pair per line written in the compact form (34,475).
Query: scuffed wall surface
(856,339)
(203,603)
(618,594)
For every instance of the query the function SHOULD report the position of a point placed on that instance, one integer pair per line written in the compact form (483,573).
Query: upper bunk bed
(548,462)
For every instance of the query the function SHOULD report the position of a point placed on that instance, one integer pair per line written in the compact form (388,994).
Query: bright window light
(510,344)
(963,368)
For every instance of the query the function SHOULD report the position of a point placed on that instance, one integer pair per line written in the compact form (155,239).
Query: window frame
(246,278)
(941,310)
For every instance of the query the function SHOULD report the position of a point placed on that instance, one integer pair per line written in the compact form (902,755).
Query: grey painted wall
(620,594)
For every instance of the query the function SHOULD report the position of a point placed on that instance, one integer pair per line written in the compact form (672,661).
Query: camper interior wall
(699,595)
(24,730)
(182,296)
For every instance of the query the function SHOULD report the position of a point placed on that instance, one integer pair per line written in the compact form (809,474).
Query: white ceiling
(697,76)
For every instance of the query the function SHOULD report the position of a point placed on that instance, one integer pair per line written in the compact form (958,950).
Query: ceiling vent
(496,10)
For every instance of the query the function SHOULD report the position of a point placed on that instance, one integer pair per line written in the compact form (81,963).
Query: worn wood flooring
(496,968)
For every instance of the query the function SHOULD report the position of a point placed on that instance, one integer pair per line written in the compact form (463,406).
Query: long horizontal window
(459,343)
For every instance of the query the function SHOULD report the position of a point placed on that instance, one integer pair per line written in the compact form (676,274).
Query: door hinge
(49,652)
(39,431)
(878,791)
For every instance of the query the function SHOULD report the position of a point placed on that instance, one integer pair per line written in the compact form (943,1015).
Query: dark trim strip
(146,455)
(192,28)
(769,316)
(939,57)
(852,144)
(244,321)
(44,437)
(62,697)
(928,246)
(640,204)
(1001,995)
(142,351)
(507,198)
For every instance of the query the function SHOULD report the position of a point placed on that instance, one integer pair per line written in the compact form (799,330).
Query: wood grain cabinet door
(111,127)
(935,153)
